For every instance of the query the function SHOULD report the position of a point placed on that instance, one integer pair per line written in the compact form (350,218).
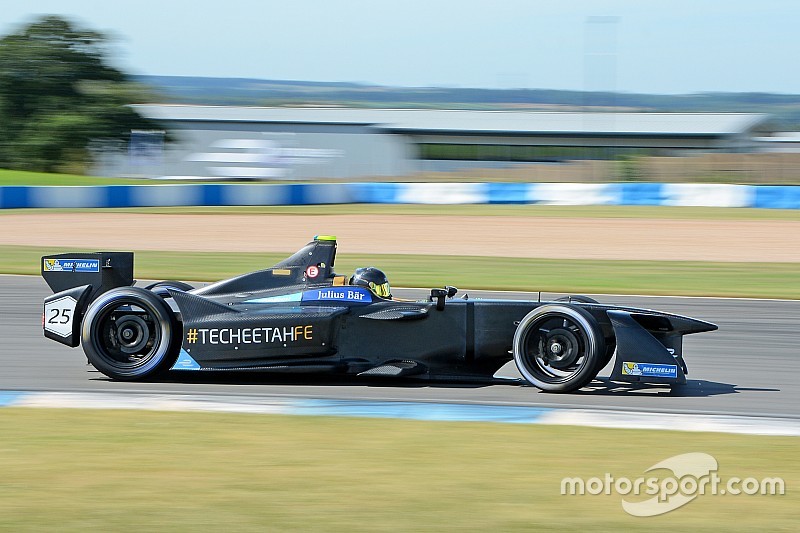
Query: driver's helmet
(372,279)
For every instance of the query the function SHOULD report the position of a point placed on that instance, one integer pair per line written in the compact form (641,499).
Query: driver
(372,279)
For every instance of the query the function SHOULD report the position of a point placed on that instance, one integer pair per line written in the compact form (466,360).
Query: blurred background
(617,91)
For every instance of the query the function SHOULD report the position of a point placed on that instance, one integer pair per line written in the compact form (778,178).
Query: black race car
(300,316)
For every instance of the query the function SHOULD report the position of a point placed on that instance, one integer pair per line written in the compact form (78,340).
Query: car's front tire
(129,334)
(611,344)
(558,348)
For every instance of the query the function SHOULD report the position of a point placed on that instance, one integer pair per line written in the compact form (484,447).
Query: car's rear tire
(161,287)
(129,334)
(558,348)
(577,298)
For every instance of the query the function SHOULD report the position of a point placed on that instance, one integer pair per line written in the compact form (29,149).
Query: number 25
(60,316)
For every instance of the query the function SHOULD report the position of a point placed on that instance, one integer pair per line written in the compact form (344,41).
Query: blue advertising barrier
(16,197)
(213,194)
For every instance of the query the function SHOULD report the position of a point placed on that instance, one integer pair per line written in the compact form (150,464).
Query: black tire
(161,287)
(577,298)
(129,334)
(602,362)
(611,344)
(558,348)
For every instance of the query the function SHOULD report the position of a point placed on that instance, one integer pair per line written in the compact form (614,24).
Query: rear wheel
(129,334)
(558,348)
(161,287)
(577,298)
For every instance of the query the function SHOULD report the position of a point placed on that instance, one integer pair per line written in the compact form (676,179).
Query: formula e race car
(300,316)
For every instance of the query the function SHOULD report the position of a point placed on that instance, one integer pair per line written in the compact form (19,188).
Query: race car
(300,316)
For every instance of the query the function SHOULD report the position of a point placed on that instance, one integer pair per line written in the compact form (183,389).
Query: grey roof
(463,122)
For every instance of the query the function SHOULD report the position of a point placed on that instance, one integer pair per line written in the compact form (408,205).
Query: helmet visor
(383,290)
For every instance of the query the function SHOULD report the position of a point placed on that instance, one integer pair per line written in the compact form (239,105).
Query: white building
(310,143)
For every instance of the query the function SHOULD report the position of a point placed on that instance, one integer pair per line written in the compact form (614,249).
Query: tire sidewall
(171,284)
(154,305)
(577,298)
(594,339)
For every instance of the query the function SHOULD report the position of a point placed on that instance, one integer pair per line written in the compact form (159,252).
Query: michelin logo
(72,265)
(649,370)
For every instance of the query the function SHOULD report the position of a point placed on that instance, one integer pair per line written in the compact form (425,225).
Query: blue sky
(681,46)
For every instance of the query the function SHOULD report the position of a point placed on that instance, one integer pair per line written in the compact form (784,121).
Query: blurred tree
(58,93)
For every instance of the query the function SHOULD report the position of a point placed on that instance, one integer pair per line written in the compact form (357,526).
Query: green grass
(66,470)
(761,280)
(18,177)
(596,211)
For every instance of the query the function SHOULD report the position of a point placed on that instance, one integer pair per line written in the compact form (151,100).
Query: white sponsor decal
(250,335)
(341,295)
(71,265)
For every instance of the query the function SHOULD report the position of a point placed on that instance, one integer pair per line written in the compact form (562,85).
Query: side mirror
(439,295)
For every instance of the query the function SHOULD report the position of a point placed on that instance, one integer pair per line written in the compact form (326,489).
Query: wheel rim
(555,348)
(128,334)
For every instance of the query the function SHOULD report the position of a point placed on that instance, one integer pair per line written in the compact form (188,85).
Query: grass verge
(24,178)
(757,280)
(19,177)
(69,470)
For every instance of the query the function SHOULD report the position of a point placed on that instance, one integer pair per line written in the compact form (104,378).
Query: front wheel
(557,348)
(129,334)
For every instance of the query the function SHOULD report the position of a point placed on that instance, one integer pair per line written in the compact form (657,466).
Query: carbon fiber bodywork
(299,316)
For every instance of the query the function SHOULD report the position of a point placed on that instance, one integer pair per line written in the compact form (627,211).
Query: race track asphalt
(750,366)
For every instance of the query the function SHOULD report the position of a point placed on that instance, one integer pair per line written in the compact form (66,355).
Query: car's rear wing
(77,279)
(102,270)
